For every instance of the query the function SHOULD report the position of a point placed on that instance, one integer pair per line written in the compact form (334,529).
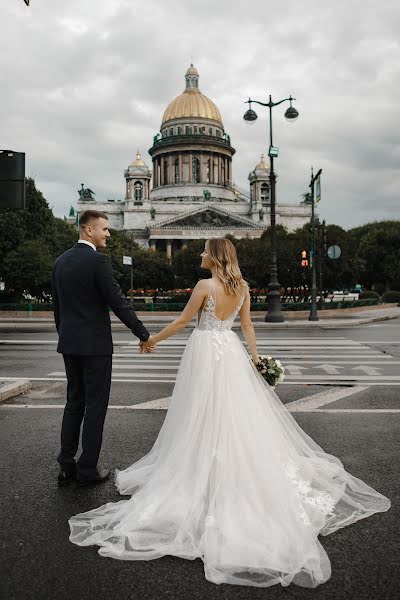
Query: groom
(84,288)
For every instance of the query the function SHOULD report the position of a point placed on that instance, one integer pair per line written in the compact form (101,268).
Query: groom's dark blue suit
(84,287)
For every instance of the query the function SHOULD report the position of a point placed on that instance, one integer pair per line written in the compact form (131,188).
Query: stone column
(169,250)
(155,173)
(153,246)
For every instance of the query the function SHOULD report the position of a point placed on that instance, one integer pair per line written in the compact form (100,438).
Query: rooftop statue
(85,193)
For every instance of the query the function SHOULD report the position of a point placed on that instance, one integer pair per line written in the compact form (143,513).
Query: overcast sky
(84,83)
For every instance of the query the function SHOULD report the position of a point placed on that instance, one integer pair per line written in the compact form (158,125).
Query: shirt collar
(88,243)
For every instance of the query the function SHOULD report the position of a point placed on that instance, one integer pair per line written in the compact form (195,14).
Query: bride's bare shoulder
(202,286)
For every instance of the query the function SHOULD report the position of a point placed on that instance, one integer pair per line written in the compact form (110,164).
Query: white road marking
(385,342)
(311,403)
(294,369)
(368,370)
(330,369)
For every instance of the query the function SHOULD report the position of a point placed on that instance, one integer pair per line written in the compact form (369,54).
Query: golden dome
(138,162)
(192,103)
(262,164)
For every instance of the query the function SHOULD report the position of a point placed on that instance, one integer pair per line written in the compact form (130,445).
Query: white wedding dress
(231,479)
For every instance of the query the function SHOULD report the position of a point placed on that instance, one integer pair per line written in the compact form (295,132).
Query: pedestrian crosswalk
(325,361)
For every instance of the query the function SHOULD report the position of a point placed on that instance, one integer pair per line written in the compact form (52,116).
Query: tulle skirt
(231,479)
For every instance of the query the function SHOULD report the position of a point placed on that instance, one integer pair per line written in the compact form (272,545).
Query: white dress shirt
(88,243)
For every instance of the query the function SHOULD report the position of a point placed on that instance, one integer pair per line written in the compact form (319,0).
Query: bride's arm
(247,327)
(197,298)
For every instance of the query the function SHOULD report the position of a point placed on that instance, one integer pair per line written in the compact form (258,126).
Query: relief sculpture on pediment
(206,219)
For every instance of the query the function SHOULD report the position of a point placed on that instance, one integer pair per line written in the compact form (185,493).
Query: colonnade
(179,168)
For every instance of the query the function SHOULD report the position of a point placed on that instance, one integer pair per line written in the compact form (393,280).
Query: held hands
(148,346)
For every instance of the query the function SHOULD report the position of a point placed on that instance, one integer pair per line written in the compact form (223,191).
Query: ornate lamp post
(274,314)
(313,312)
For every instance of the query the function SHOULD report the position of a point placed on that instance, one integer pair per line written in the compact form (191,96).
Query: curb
(14,388)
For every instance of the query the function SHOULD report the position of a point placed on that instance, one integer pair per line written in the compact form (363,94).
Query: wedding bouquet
(270,369)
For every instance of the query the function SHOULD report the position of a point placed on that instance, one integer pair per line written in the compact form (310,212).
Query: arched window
(138,192)
(176,170)
(264,193)
(166,174)
(208,172)
(195,170)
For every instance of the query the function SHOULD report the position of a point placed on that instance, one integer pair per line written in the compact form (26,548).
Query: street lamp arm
(315,177)
(270,103)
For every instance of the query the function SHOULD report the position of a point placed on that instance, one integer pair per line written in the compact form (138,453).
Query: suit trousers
(88,391)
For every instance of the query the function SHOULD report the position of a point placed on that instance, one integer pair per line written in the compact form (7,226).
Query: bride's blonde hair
(223,253)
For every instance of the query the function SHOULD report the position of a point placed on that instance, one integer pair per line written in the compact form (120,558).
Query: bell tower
(137,177)
(260,190)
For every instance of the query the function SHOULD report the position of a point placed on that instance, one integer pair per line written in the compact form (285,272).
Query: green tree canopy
(28,270)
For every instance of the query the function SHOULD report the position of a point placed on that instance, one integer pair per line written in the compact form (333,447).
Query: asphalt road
(359,423)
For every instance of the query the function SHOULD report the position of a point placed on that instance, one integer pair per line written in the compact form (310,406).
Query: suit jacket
(84,287)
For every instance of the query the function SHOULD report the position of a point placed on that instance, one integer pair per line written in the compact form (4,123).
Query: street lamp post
(313,312)
(274,313)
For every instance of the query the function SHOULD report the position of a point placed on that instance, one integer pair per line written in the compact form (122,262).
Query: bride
(231,479)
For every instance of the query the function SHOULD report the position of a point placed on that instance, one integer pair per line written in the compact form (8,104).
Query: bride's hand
(148,346)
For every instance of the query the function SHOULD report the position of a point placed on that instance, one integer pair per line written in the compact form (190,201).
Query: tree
(64,237)
(28,270)
(378,253)
(17,228)
(186,265)
(150,270)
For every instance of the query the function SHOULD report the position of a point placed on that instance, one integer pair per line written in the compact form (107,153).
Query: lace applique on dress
(209,321)
(322,501)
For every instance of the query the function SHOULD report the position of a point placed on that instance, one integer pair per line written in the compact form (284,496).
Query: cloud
(87,84)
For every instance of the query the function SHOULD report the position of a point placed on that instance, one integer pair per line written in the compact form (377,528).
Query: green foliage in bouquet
(270,369)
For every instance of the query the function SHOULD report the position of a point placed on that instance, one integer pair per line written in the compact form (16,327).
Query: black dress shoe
(66,477)
(100,477)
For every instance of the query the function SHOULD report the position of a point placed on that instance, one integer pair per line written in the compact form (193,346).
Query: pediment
(207,217)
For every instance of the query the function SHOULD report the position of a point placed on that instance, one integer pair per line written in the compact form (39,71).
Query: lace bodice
(207,319)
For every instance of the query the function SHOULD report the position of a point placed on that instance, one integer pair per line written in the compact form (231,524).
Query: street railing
(146,305)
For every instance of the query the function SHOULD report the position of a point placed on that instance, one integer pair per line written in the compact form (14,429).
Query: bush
(391,296)
(379,288)
(368,295)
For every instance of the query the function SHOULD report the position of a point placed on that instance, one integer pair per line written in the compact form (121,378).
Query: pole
(274,314)
(132,269)
(321,253)
(313,312)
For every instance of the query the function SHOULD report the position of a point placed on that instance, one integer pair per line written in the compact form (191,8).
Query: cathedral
(189,194)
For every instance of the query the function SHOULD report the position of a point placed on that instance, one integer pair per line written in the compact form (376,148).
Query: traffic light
(304,260)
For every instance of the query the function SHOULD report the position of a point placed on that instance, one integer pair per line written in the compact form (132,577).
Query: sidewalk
(8,389)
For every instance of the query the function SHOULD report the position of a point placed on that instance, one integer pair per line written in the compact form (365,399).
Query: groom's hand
(148,346)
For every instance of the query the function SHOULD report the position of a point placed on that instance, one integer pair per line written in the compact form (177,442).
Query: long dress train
(231,479)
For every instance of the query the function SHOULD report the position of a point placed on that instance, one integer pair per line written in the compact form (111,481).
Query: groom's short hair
(89,215)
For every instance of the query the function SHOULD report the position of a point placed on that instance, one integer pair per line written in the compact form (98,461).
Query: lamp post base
(274,314)
(313,318)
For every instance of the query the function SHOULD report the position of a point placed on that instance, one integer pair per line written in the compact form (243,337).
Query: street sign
(127,260)
(334,252)
(318,189)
